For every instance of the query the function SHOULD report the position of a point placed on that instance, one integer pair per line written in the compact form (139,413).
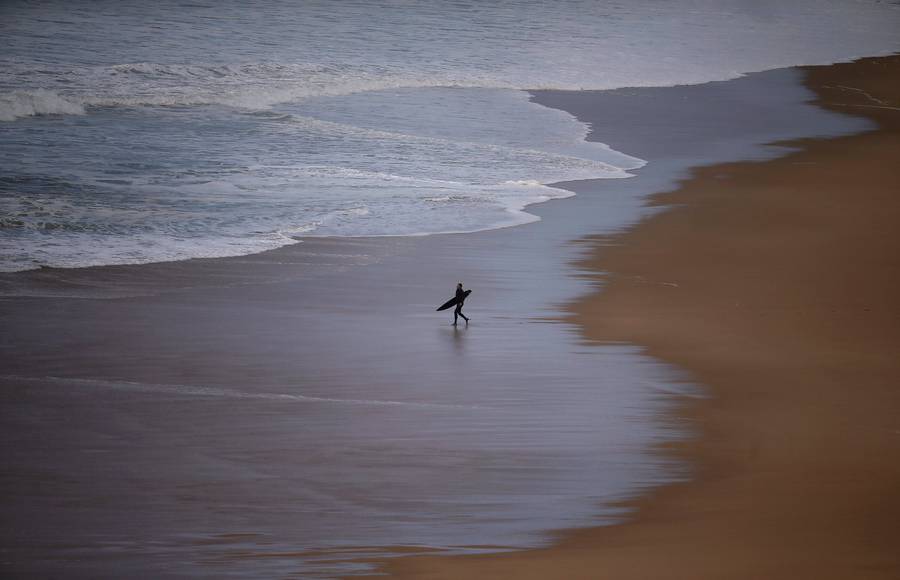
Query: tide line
(204,391)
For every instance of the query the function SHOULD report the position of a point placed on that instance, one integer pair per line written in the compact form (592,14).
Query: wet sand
(301,410)
(776,285)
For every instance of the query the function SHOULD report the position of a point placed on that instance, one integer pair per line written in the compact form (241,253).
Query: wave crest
(251,86)
(18,104)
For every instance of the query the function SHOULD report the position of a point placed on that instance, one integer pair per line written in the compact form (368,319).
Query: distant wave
(18,104)
(248,86)
(315,49)
(66,90)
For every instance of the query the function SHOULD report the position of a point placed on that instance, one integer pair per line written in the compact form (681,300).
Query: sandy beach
(305,412)
(775,285)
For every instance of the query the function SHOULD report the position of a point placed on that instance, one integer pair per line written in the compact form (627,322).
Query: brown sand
(777,285)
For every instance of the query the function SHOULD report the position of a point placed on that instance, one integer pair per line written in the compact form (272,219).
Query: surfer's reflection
(458,340)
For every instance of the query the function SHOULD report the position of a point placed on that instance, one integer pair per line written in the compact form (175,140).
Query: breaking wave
(236,131)
(18,104)
(247,86)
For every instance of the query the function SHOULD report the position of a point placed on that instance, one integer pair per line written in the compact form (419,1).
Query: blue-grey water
(137,132)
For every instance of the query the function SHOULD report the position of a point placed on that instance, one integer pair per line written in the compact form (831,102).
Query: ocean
(134,132)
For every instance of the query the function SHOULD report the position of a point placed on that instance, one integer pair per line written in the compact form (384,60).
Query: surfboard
(452,302)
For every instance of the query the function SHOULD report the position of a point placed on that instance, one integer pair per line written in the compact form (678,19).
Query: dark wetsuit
(461,297)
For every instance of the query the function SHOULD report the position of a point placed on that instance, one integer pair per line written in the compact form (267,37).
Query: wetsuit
(460,297)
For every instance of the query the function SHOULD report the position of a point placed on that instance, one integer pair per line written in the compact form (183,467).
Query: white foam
(198,148)
(19,104)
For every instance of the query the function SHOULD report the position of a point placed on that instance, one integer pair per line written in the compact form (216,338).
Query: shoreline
(775,287)
(114,368)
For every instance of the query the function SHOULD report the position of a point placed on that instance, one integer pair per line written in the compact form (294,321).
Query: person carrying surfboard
(461,296)
(457,301)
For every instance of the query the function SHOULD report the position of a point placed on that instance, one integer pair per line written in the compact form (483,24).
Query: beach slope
(775,285)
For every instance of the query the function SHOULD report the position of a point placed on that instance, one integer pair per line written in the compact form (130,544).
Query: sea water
(136,132)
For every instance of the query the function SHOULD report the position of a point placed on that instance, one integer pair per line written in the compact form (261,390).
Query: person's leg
(466,318)
(456,313)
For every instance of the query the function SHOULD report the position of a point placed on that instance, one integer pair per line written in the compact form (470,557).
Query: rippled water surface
(137,132)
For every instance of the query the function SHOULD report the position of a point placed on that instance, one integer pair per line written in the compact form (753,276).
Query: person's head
(459,285)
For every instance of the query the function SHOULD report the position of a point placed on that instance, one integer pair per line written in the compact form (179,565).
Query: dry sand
(776,286)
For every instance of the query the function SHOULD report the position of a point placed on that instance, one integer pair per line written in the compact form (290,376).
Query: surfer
(457,301)
(460,299)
